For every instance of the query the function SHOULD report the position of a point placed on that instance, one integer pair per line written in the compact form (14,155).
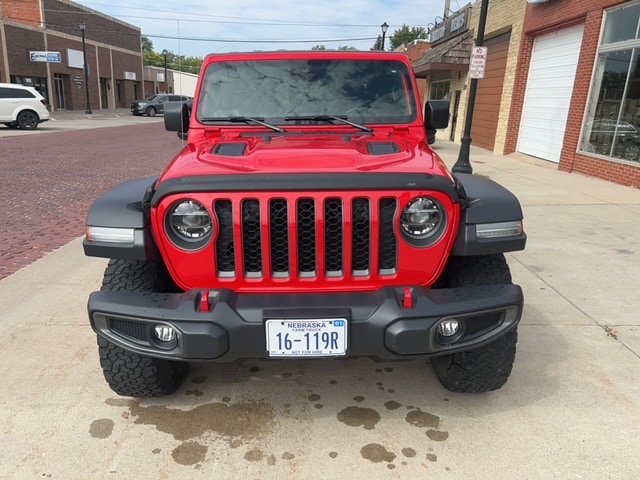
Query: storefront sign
(44,56)
(452,26)
(129,75)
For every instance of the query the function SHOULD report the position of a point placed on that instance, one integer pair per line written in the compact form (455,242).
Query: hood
(306,153)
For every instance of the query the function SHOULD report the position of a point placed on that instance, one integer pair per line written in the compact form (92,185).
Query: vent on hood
(382,148)
(231,149)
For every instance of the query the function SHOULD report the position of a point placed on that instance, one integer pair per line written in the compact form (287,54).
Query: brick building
(576,92)
(562,81)
(41,46)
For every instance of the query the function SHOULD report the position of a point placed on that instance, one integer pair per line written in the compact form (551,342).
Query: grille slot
(300,237)
(130,329)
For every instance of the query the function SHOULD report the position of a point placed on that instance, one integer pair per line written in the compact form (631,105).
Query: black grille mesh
(127,328)
(305,227)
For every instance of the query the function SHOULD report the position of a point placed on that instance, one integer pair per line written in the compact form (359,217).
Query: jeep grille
(305,237)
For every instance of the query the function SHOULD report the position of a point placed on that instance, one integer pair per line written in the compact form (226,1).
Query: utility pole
(463,164)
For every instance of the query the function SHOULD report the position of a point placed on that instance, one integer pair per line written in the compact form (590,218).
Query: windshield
(296,91)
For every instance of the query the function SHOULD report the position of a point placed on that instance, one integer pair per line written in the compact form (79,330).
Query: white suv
(22,106)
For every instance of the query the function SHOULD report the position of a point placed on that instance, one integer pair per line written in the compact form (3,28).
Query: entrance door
(552,73)
(58,91)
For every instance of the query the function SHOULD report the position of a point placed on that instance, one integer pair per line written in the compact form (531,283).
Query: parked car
(155,104)
(21,106)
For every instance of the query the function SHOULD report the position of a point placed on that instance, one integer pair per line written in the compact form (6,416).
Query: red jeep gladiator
(305,217)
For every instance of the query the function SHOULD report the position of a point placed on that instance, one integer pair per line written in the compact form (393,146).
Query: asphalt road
(571,409)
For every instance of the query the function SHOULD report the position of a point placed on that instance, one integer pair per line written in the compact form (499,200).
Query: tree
(406,35)
(378,44)
(147,45)
(318,47)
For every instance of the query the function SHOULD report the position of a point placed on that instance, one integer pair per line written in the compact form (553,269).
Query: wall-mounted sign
(129,75)
(44,56)
(78,80)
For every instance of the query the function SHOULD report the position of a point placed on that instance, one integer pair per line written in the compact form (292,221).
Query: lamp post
(83,27)
(463,164)
(384,28)
(166,80)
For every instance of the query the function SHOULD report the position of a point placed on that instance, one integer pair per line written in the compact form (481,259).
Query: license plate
(307,338)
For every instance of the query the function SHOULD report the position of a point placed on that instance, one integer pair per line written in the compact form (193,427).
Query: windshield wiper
(239,119)
(320,118)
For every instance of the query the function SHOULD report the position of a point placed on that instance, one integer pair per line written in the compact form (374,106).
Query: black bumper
(390,323)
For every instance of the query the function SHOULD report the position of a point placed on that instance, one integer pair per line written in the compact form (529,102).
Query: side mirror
(176,118)
(436,114)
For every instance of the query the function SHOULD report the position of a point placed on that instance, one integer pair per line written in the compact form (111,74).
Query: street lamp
(166,80)
(83,27)
(384,28)
(463,164)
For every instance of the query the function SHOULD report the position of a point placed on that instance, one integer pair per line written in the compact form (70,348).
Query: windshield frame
(365,90)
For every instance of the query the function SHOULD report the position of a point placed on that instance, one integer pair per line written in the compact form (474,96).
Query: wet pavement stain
(333,454)
(392,405)
(359,398)
(314,397)
(199,380)
(288,456)
(409,452)
(102,428)
(254,455)
(432,457)
(437,435)
(377,453)
(189,453)
(195,392)
(418,418)
(358,416)
(156,451)
(242,420)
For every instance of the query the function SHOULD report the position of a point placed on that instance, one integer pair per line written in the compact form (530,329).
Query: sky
(194,28)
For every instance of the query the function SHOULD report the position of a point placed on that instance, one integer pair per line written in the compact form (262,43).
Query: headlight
(189,221)
(422,218)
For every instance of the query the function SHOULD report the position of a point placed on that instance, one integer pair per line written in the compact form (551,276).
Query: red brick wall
(546,18)
(24,11)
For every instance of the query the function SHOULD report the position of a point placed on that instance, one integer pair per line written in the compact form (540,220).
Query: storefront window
(440,90)
(612,127)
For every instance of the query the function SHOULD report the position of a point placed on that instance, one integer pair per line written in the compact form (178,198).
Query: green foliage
(406,35)
(378,44)
(147,45)
(174,62)
(318,47)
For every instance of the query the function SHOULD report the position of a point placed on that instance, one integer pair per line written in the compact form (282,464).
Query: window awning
(451,55)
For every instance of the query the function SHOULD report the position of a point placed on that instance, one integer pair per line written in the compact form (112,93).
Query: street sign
(478,62)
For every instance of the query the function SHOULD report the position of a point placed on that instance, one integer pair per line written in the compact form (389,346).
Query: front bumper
(390,323)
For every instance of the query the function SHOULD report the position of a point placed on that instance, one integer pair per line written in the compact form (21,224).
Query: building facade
(46,44)
(576,95)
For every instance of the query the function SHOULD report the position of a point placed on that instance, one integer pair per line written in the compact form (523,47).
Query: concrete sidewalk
(571,408)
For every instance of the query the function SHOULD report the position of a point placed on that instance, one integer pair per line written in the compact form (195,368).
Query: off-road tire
(486,368)
(131,374)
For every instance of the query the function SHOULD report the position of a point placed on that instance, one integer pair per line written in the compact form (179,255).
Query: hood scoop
(230,149)
(382,148)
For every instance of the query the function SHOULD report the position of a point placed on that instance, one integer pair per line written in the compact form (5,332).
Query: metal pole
(166,79)
(83,26)
(463,164)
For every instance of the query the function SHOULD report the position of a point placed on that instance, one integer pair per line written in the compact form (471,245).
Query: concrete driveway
(571,408)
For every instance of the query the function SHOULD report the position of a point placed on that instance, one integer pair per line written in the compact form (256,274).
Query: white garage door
(549,87)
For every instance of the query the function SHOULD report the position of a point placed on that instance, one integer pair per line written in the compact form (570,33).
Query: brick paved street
(49,180)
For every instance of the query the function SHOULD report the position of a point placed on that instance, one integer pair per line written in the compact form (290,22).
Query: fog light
(448,328)
(164,333)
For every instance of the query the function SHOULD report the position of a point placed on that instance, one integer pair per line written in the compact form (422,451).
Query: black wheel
(486,368)
(28,120)
(132,374)
(151,111)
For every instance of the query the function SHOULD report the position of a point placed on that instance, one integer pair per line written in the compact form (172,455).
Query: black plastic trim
(123,206)
(234,328)
(304,181)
